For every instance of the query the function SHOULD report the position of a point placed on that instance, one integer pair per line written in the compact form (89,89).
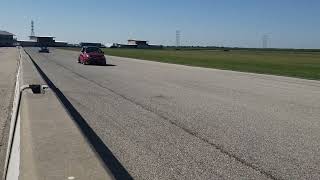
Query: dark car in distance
(92,55)
(44,50)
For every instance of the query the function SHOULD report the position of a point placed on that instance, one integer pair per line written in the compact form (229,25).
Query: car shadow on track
(102,65)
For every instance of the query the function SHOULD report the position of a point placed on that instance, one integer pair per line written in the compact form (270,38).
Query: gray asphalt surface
(8,71)
(165,121)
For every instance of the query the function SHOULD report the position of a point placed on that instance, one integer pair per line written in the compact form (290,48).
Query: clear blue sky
(288,23)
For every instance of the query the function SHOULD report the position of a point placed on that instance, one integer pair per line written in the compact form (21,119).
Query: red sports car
(91,55)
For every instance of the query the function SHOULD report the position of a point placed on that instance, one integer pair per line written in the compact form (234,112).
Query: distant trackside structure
(6,39)
(138,44)
(92,44)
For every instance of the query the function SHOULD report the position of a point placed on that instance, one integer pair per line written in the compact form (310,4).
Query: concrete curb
(14,113)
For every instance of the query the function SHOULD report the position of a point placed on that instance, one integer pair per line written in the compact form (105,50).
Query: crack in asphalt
(195,134)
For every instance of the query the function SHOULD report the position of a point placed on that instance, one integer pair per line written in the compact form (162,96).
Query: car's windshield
(93,49)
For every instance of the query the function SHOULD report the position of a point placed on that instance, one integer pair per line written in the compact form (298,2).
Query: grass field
(285,63)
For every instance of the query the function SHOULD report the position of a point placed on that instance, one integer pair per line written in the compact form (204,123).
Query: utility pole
(265,39)
(32,29)
(178,36)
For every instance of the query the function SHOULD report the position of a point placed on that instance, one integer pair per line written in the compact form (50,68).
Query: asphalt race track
(165,121)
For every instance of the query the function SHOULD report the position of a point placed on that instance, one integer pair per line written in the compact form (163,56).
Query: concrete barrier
(12,129)
(47,143)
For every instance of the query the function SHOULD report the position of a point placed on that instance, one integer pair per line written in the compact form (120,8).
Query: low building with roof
(27,43)
(100,45)
(138,44)
(61,44)
(6,39)
(39,41)
(46,41)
